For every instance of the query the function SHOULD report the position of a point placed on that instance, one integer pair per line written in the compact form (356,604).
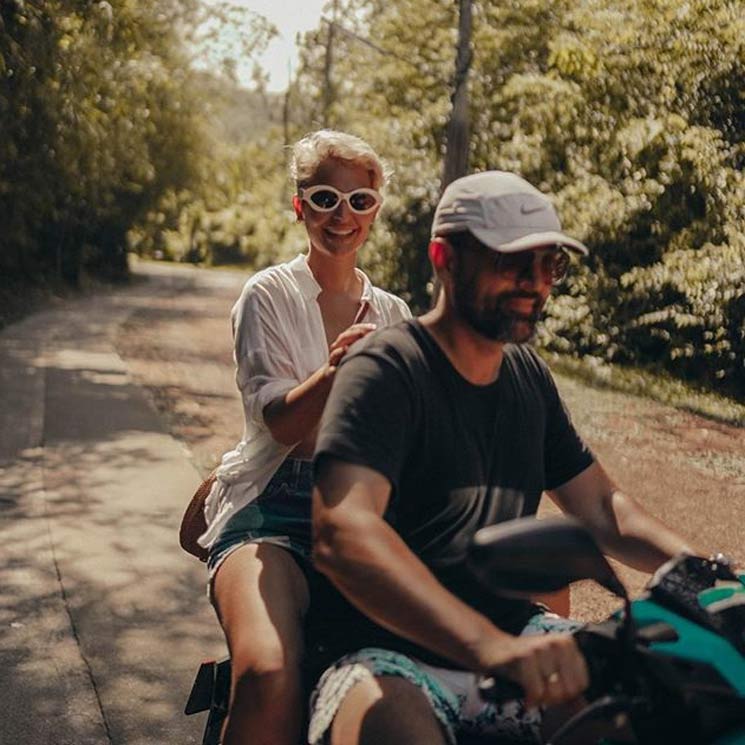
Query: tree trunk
(328,65)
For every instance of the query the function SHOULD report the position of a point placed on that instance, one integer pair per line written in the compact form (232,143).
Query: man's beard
(494,321)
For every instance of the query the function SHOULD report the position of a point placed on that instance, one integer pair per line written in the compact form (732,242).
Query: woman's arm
(294,415)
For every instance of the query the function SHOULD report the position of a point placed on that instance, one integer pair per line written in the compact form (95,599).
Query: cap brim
(527,242)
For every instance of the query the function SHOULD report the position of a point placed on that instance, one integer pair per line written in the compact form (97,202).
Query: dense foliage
(630,113)
(101,117)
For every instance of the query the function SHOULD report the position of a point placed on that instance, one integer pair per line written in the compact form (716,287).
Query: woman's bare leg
(261,597)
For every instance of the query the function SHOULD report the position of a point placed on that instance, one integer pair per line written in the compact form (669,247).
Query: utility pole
(328,64)
(458,129)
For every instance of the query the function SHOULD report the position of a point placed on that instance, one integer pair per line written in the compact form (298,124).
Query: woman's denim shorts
(281,515)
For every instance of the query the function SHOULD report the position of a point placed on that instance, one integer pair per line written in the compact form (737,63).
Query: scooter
(210,692)
(667,668)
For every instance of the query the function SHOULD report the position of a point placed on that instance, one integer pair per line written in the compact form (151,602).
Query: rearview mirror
(526,556)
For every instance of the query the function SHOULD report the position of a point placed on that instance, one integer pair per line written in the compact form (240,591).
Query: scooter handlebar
(596,642)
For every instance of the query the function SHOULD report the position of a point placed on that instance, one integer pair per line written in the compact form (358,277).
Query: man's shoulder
(528,369)
(392,348)
(400,338)
(525,356)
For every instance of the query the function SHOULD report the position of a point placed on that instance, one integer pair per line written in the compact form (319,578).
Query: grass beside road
(656,386)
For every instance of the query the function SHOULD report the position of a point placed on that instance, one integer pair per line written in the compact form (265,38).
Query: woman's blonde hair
(317,147)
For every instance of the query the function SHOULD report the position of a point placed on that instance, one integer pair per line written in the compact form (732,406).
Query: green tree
(101,117)
(630,114)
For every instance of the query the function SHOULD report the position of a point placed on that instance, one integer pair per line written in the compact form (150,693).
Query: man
(435,428)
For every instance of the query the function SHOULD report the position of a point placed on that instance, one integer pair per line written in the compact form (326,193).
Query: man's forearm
(636,538)
(367,560)
(620,525)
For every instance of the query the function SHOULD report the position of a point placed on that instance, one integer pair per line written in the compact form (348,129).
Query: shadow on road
(104,618)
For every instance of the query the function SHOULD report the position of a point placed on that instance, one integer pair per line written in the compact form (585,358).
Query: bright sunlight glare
(290,17)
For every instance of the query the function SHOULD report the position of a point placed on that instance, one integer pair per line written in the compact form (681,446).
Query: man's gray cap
(503,211)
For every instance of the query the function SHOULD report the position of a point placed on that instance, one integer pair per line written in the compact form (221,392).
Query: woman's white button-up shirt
(279,341)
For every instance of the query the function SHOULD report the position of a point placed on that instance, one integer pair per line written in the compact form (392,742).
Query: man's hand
(550,668)
(349,336)
(379,574)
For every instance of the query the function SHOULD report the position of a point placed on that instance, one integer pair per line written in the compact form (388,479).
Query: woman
(292,325)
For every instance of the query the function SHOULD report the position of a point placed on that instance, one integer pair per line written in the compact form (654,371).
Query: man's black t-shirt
(458,456)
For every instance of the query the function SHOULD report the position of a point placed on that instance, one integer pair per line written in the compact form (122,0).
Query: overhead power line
(371,44)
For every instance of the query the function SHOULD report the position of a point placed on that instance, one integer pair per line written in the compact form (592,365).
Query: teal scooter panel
(732,738)
(694,642)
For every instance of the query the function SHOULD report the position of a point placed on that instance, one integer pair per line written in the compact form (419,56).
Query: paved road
(685,469)
(102,617)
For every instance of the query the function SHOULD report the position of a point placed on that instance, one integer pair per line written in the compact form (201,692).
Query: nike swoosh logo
(530,210)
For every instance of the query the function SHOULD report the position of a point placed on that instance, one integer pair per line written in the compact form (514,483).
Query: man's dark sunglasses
(554,263)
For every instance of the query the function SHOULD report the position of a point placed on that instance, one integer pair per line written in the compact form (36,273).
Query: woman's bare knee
(387,709)
(269,695)
(264,657)
(261,597)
